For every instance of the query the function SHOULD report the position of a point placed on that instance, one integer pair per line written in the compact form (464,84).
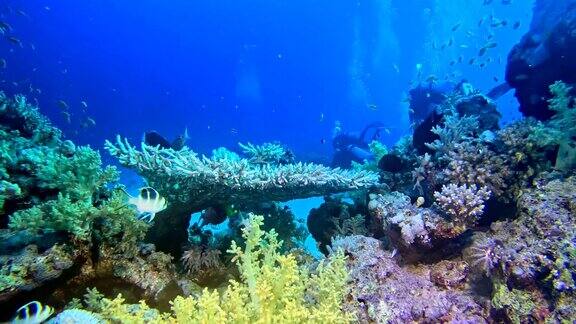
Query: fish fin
(132,201)
(148,217)
(126,192)
(499,91)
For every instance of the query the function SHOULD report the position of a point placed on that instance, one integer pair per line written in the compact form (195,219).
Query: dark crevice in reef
(169,232)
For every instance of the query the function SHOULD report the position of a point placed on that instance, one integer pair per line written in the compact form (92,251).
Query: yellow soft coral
(272,289)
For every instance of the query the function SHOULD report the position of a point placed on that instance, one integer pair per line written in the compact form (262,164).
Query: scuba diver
(351,146)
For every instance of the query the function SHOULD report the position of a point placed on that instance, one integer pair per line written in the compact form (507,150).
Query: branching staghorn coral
(58,212)
(267,153)
(191,183)
(472,163)
(454,130)
(463,204)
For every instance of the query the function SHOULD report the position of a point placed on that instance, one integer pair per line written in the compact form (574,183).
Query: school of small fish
(7,31)
(488,25)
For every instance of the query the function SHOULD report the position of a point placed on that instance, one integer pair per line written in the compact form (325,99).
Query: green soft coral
(79,175)
(62,214)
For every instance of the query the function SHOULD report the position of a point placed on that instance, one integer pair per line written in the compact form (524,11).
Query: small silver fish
(455,27)
(14,40)
(67,117)
(5,27)
(88,122)
(63,105)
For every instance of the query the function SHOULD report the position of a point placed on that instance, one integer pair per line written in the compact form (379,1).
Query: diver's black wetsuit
(350,147)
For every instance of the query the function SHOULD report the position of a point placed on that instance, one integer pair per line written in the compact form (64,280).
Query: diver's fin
(498,91)
(186,137)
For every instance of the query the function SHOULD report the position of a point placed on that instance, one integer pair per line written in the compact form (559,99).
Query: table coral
(191,183)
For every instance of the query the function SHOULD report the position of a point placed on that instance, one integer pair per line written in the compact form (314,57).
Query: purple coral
(383,292)
(395,210)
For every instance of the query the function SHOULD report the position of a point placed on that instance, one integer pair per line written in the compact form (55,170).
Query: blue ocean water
(247,71)
(469,218)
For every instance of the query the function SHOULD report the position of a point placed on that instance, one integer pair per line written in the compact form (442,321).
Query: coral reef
(335,218)
(478,223)
(535,252)
(383,292)
(61,219)
(272,288)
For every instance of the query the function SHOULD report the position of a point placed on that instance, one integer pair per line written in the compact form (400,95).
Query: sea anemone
(484,255)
